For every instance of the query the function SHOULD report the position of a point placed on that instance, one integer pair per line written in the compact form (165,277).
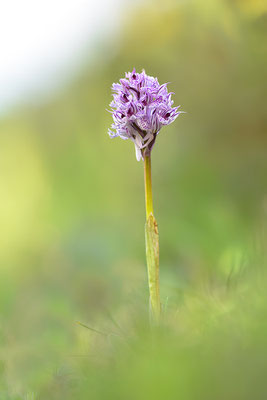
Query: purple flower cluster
(140,107)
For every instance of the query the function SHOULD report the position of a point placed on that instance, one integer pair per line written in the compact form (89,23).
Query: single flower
(140,107)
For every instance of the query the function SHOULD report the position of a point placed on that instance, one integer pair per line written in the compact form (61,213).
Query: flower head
(140,107)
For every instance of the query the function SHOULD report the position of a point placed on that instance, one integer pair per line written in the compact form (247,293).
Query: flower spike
(140,107)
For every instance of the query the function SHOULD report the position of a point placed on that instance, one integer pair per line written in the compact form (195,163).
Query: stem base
(152,256)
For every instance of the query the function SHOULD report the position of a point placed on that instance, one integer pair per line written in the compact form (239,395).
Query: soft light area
(39,40)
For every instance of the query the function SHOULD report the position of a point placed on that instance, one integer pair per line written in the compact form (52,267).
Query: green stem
(152,244)
(148,186)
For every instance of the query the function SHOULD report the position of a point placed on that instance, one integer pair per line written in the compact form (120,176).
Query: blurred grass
(72,221)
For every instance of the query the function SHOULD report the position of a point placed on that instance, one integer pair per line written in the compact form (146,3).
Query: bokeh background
(72,210)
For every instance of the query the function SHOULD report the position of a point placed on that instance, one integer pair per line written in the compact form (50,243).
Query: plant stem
(148,186)
(152,244)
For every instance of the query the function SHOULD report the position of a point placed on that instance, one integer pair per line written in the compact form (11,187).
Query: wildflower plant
(140,108)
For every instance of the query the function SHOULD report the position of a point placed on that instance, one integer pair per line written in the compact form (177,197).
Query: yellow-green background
(72,220)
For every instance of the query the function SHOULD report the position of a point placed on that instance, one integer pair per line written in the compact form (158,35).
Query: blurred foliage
(72,220)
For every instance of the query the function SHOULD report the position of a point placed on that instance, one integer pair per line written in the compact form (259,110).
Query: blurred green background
(72,220)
